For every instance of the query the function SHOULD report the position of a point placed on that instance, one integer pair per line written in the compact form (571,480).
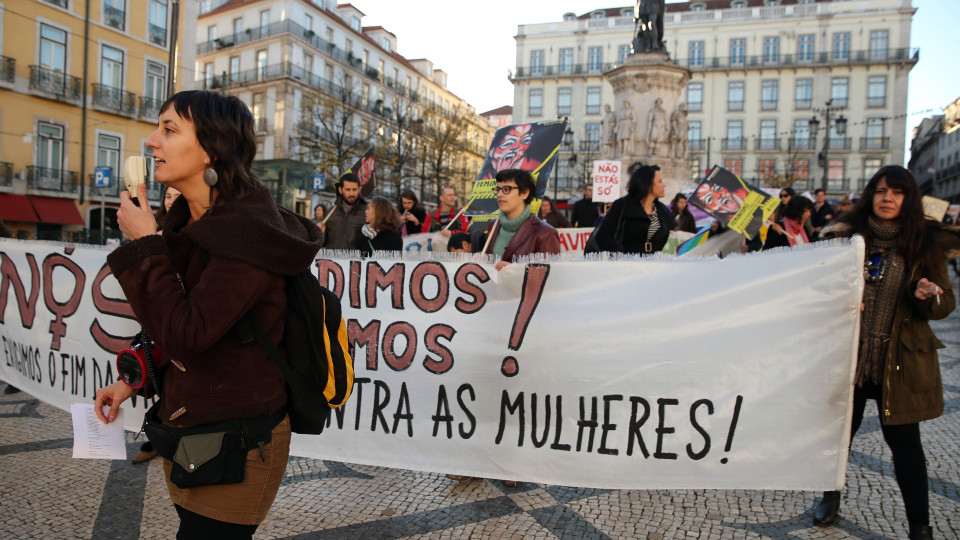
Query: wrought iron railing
(115,99)
(7,69)
(150,107)
(6,173)
(55,82)
(52,179)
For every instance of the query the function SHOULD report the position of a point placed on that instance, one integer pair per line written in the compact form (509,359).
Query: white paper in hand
(92,439)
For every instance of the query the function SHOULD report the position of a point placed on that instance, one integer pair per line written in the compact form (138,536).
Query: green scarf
(508,228)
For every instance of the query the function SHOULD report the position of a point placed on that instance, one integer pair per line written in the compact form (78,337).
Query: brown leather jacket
(190,309)
(534,236)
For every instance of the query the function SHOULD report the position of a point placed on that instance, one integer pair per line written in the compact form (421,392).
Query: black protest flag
(366,169)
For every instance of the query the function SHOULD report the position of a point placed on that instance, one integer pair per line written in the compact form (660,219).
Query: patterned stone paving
(47,494)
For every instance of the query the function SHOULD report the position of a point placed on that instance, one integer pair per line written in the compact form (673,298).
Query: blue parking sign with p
(318,181)
(102,176)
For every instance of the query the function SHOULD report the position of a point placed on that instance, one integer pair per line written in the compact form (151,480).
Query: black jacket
(585,213)
(624,228)
(383,241)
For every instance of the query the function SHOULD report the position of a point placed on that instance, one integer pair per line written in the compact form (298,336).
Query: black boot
(921,532)
(825,513)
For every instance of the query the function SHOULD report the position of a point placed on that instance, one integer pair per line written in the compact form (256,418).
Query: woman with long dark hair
(682,214)
(897,366)
(225,249)
(382,229)
(638,222)
(549,213)
(411,213)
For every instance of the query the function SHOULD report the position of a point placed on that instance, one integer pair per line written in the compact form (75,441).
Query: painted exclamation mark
(733,427)
(534,279)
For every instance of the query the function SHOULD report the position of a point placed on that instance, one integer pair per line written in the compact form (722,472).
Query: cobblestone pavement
(47,494)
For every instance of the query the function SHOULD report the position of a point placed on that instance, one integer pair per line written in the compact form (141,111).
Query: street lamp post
(571,162)
(841,124)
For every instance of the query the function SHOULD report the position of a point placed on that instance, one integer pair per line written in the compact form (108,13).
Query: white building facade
(935,154)
(272,53)
(760,71)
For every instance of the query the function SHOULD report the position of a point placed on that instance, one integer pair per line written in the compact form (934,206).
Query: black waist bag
(209,454)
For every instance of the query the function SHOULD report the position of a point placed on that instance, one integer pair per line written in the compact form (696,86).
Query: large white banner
(660,373)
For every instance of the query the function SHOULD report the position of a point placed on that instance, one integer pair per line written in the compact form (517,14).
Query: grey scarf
(880,303)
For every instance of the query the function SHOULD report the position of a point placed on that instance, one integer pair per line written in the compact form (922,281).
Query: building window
(738,51)
(622,52)
(259,111)
(835,172)
(308,64)
(734,165)
(264,22)
(804,94)
(261,64)
(566,60)
(50,147)
(365,62)
(695,169)
(111,69)
(536,62)
(805,48)
(841,46)
(593,131)
(308,22)
(801,169)
(766,168)
(385,44)
(114,13)
(694,135)
(839,91)
(212,32)
(879,41)
(156,88)
(870,166)
(768,135)
(595,59)
(801,135)
(771,50)
(536,101)
(735,91)
(734,135)
(875,135)
(208,75)
(695,97)
(564,99)
(237,28)
(768,100)
(234,69)
(53,48)
(108,152)
(355,24)
(158,22)
(696,53)
(593,100)
(876,91)
(329,34)
(365,95)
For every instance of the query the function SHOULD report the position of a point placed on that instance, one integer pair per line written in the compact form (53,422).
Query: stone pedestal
(637,85)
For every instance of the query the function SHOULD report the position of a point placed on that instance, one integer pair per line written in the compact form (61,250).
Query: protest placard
(606,180)
(736,204)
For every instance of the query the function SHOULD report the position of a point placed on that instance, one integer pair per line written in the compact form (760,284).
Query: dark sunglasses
(873,268)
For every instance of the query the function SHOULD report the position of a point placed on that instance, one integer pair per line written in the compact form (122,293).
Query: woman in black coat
(638,222)
(382,230)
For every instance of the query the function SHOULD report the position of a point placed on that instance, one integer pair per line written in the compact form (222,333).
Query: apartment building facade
(280,56)
(761,72)
(80,89)
(935,154)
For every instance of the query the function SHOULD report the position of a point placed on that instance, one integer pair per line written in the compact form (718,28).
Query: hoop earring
(210,177)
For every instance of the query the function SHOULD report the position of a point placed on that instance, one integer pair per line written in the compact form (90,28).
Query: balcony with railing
(841,144)
(697,145)
(6,174)
(767,145)
(735,105)
(768,105)
(590,147)
(284,70)
(149,108)
(55,84)
(565,70)
(114,17)
(61,3)
(734,144)
(802,145)
(157,35)
(8,68)
(823,59)
(114,100)
(874,144)
(838,184)
(52,179)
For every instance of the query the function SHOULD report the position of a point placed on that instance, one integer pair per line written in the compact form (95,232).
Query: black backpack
(318,367)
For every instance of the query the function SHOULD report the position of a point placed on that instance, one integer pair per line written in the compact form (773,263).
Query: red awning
(16,208)
(57,211)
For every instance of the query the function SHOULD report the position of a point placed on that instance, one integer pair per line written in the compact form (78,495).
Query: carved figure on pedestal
(657,130)
(609,133)
(625,130)
(648,26)
(678,132)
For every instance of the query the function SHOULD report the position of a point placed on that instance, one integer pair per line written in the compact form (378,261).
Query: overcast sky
(473,43)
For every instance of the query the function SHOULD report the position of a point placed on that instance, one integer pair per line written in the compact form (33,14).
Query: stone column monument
(647,90)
